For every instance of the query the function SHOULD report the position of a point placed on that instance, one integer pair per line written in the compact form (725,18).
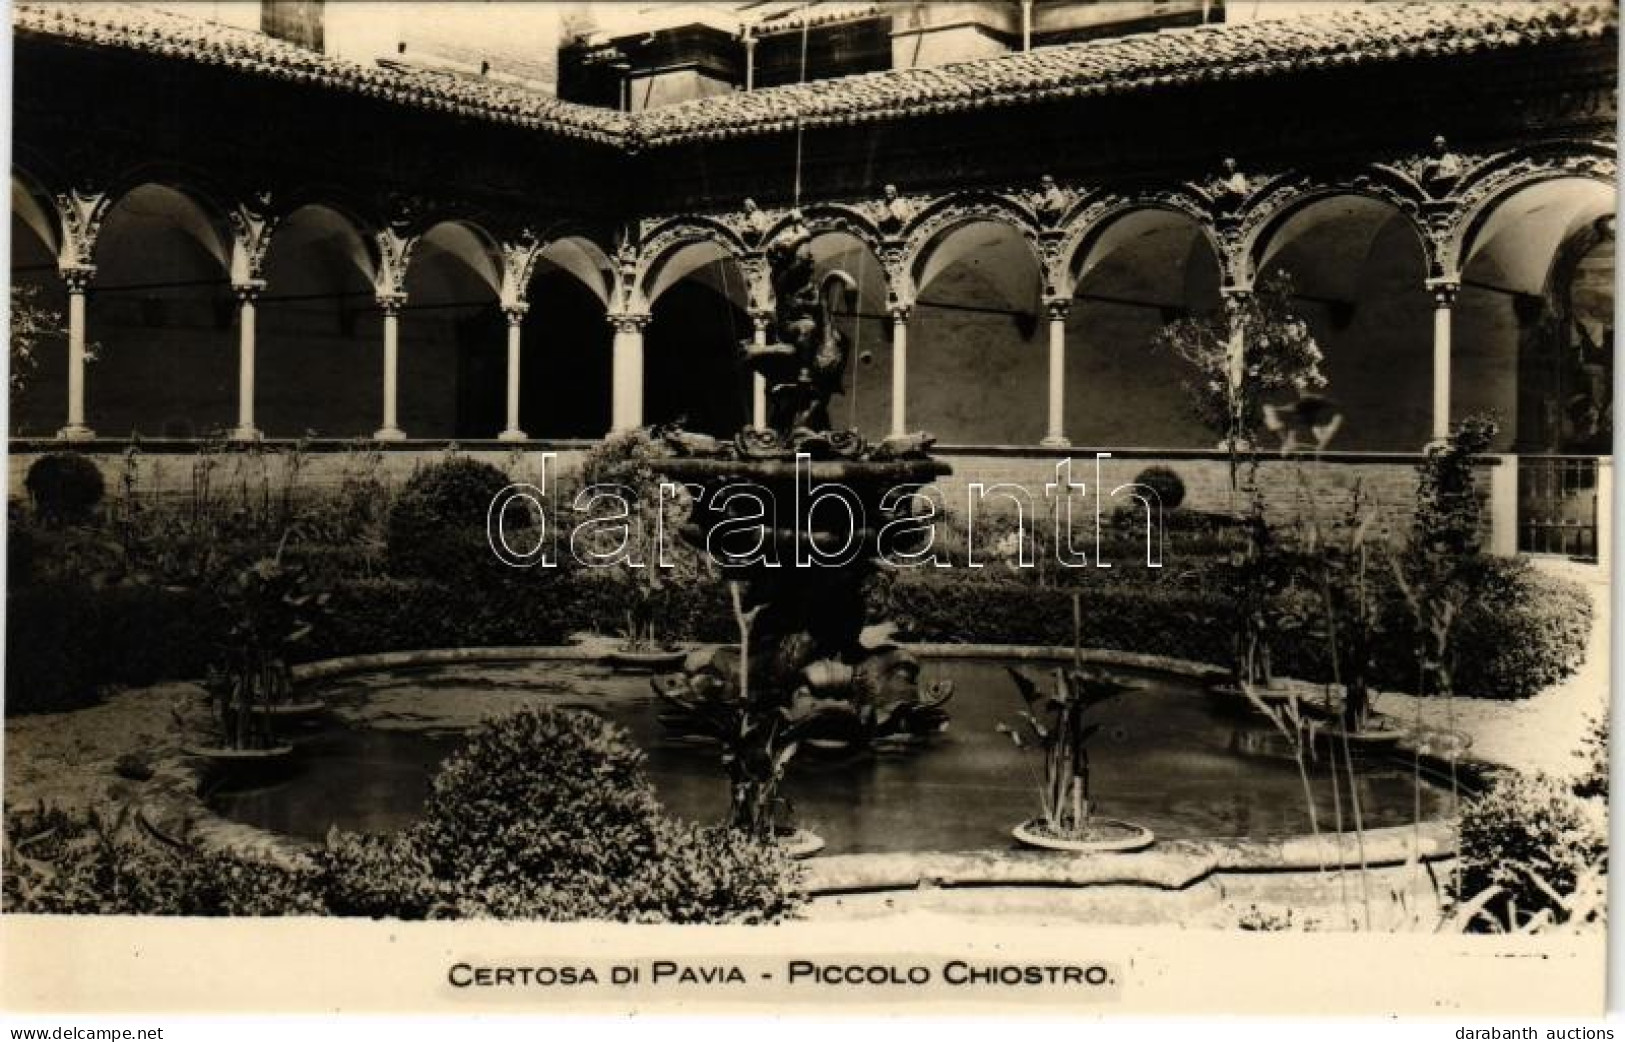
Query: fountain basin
(1177,767)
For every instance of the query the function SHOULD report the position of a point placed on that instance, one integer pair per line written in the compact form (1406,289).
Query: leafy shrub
(1523,631)
(61,864)
(547,815)
(515,608)
(50,634)
(693,609)
(381,877)
(436,528)
(21,550)
(66,640)
(1593,780)
(1533,838)
(1180,623)
(66,487)
(1166,483)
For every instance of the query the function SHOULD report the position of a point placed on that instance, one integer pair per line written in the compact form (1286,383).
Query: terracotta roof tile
(1377,33)
(1374,34)
(163,33)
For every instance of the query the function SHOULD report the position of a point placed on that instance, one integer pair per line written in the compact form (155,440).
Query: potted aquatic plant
(1237,362)
(643,573)
(756,737)
(1343,567)
(1058,726)
(250,684)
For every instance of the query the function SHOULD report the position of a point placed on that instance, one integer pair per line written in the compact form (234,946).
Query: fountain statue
(803,590)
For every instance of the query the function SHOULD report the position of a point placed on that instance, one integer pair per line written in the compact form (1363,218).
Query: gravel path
(1542,733)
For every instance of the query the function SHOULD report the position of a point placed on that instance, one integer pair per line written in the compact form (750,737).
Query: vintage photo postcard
(1057,506)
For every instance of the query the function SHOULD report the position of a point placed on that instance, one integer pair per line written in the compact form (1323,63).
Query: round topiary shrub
(436,528)
(1168,486)
(66,487)
(546,814)
(1533,838)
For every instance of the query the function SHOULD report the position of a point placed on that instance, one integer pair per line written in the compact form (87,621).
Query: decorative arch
(215,199)
(318,325)
(338,225)
(578,255)
(1089,224)
(1485,187)
(937,223)
(1262,228)
(827,218)
(32,205)
(466,242)
(359,211)
(1359,264)
(677,248)
(199,215)
(35,258)
(1521,348)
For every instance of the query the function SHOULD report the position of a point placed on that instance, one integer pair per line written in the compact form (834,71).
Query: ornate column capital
(761,319)
(519,257)
(390,303)
(81,211)
(899,312)
(1236,301)
(629,323)
(1057,308)
(1444,292)
(394,256)
(252,224)
(78,277)
(248,292)
(515,312)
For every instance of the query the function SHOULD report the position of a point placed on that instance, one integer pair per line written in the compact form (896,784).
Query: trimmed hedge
(1179,623)
(520,607)
(62,865)
(1525,631)
(65,641)
(697,610)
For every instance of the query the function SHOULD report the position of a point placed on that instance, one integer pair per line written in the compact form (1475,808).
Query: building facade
(255,240)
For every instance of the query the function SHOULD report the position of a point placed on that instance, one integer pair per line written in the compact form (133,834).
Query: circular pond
(1167,758)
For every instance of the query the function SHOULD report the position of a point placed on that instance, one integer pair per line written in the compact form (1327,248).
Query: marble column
(390,305)
(1235,305)
(1444,301)
(248,295)
(758,382)
(1055,429)
(78,280)
(899,368)
(626,411)
(515,313)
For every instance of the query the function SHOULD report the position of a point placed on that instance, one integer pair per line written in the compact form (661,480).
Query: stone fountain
(804,587)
